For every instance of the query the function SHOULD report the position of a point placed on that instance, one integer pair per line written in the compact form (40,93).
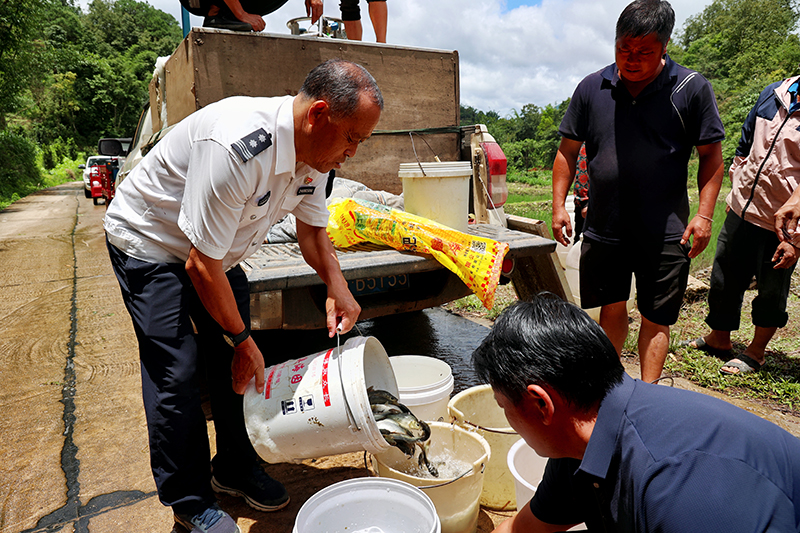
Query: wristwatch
(236,340)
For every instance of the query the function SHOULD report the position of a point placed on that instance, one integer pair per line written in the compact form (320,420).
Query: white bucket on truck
(318,405)
(438,191)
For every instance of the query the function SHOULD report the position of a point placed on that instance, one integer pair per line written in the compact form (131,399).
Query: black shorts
(661,272)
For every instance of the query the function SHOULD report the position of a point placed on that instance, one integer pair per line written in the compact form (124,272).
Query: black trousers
(165,310)
(745,250)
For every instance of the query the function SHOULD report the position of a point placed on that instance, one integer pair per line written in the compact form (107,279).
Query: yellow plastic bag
(476,260)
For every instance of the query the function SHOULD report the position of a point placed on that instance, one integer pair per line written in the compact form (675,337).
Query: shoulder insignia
(253,144)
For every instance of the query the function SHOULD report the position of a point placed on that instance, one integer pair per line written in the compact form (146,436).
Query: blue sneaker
(258,489)
(212,520)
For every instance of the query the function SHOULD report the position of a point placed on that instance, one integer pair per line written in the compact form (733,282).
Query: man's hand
(256,21)
(785,255)
(562,225)
(341,307)
(247,362)
(314,10)
(699,229)
(786,218)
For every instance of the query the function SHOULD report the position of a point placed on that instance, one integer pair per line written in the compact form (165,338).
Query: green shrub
(19,172)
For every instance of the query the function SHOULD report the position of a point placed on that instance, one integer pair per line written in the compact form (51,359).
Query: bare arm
(563,175)
(709,181)
(314,9)
(215,293)
(526,522)
(319,253)
(256,21)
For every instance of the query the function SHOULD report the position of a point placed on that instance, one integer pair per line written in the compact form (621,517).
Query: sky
(511,52)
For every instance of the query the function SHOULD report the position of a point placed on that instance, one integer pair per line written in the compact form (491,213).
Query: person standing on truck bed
(242,15)
(640,118)
(201,201)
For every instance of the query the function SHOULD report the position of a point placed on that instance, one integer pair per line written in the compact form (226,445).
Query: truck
(421,120)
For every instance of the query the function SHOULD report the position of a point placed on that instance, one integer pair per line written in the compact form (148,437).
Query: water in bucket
(456,498)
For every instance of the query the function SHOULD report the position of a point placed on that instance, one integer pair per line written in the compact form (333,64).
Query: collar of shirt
(603,442)
(668,73)
(285,157)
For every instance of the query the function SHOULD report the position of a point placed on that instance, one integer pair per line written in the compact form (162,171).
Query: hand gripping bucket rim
(318,405)
(343,500)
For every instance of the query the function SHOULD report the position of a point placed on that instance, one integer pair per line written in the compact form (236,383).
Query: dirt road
(73,441)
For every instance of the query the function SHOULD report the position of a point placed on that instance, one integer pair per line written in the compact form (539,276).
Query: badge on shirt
(305,190)
(264,199)
(248,147)
(308,179)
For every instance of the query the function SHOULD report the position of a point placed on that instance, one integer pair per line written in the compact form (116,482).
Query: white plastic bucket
(368,505)
(457,499)
(318,405)
(527,467)
(424,385)
(476,409)
(572,274)
(438,191)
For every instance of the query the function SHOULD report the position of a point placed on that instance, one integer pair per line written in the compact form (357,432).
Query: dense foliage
(69,78)
(741,46)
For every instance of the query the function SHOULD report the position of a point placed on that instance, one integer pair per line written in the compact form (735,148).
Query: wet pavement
(73,442)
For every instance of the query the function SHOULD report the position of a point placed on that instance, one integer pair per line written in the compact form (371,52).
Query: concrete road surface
(73,442)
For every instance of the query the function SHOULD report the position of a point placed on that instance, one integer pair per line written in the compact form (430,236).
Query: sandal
(743,364)
(700,344)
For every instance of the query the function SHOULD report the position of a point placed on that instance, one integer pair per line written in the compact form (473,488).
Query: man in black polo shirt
(640,118)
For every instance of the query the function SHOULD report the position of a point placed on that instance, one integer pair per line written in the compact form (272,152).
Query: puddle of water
(432,332)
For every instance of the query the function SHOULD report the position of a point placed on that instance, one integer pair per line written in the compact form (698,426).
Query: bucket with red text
(318,405)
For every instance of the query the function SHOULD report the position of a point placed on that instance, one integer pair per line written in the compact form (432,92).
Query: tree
(20,28)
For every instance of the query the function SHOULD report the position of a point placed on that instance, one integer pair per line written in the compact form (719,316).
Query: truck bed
(286,293)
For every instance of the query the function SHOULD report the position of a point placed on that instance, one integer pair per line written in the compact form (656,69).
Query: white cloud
(530,54)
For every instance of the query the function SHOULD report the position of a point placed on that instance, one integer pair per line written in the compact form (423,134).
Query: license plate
(360,287)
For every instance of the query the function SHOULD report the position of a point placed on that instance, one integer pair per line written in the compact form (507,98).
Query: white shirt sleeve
(216,191)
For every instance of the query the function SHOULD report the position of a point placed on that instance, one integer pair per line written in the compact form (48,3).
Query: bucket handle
(490,430)
(341,380)
(414,148)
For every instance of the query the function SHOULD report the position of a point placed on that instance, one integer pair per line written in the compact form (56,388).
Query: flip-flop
(744,365)
(700,344)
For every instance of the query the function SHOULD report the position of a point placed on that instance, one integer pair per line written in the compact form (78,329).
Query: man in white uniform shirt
(199,203)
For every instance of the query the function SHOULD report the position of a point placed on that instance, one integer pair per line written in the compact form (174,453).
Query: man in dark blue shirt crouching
(626,455)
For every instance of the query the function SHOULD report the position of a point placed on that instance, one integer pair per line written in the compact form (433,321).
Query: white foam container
(368,505)
(572,273)
(527,467)
(318,405)
(438,191)
(424,384)
(457,502)
(475,409)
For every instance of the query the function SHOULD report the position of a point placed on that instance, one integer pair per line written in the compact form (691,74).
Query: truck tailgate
(281,266)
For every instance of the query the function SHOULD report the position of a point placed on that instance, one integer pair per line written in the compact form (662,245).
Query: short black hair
(644,17)
(341,83)
(548,341)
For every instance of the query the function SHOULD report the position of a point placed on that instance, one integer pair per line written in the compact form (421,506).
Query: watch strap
(238,339)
